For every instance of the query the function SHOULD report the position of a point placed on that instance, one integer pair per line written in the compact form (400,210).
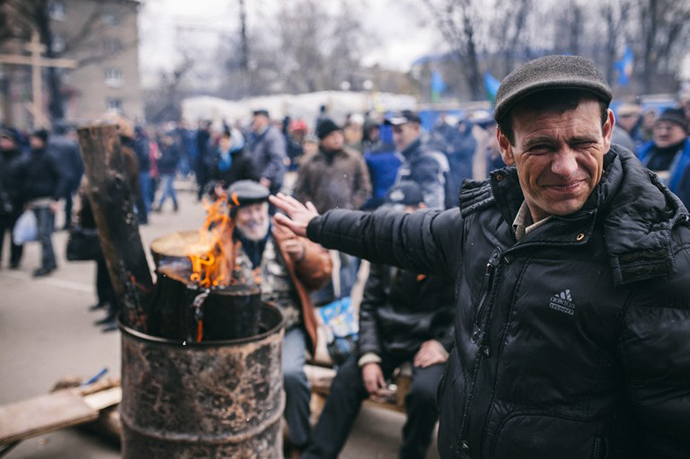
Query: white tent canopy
(299,106)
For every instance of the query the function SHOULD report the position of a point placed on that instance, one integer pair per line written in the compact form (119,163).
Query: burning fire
(213,257)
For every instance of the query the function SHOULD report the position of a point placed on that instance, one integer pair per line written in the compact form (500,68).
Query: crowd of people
(367,162)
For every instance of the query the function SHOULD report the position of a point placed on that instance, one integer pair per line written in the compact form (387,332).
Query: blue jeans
(297,392)
(167,181)
(45,225)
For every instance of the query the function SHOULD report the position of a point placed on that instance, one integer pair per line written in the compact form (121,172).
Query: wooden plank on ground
(43,414)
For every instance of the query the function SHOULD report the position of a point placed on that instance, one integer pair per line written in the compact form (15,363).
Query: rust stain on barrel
(203,400)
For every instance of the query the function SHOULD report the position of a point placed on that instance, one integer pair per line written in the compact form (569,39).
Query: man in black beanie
(336,177)
(571,269)
(668,154)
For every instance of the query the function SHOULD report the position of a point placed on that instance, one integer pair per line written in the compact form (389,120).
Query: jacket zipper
(486,292)
(487,287)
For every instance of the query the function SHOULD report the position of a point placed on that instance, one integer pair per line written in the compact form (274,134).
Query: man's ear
(607,130)
(505,147)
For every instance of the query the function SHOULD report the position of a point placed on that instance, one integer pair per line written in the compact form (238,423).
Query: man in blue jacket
(571,268)
(669,153)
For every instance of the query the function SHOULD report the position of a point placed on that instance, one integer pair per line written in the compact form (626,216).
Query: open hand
(431,352)
(297,215)
(372,375)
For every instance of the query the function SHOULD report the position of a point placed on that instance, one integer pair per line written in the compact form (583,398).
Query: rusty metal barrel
(214,399)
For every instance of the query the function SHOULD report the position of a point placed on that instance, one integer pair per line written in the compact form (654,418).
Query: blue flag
(624,67)
(491,85)
(437,86)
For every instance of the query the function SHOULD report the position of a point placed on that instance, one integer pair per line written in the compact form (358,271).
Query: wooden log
(113,209)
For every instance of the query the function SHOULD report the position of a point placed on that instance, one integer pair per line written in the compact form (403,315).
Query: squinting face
(405,134)
(667,133)
(559,156)
(252,221)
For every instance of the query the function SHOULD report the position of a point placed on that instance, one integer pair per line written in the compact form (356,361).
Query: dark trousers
(104,288)
(6,226)
(45,224)
(346,397)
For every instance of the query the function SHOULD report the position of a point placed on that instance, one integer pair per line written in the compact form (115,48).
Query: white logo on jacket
(563,302)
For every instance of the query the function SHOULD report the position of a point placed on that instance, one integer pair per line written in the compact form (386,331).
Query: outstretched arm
(297,215)
(424,241)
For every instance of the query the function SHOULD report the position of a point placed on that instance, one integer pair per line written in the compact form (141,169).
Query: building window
(58,44)
(56,10)
(112,45)
(114,105)
(111,19)
(113,77)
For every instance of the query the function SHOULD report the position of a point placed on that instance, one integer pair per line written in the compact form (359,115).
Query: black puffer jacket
(401,310)
(572,343)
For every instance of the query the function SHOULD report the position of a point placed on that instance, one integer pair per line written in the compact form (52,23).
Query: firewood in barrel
(200,295)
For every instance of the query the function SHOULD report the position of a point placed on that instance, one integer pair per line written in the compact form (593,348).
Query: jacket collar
(636,211)
(412,148)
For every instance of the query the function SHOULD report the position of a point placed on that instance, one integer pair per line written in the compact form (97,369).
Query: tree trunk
(649,40)
(112,204)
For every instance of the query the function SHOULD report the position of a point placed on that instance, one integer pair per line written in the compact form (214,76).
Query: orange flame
(213,257)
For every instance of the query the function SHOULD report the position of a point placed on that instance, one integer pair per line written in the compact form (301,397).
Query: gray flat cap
(248,192)
(550,72)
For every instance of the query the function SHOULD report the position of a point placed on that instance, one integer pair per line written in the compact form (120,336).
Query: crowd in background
(40,168)
(361,162)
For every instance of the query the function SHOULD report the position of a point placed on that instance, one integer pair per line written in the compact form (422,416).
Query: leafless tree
(163,103)
(664,27)
(616,16)
(457,20)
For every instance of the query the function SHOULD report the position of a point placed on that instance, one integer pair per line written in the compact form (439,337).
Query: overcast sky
(397,30)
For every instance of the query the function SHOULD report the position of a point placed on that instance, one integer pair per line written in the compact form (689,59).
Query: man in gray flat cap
(571,269)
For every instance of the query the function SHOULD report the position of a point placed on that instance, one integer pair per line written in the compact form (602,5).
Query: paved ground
(46,332)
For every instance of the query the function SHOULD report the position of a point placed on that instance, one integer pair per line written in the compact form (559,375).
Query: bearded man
(289,267)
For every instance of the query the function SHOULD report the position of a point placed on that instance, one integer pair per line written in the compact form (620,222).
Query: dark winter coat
(429,169)
(170,157)
(43,177)
(142,148)
(572,343)
(68,159)
(334,180)
(12,171)
(402,309)
(269,154)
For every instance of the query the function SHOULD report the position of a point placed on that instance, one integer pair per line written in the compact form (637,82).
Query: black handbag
(83,244)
